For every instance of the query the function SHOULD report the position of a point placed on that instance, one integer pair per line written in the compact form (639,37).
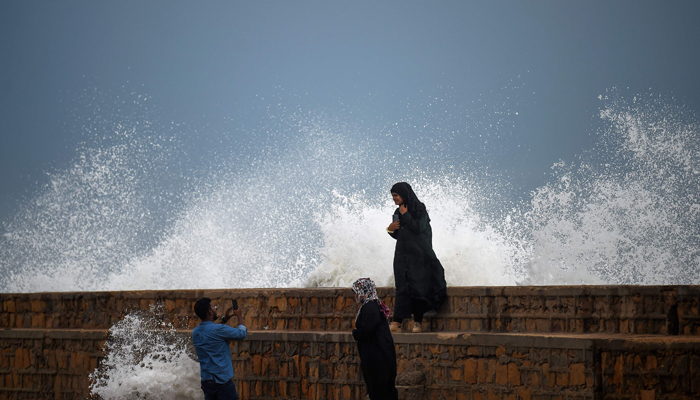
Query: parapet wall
(573,309)
(516,343)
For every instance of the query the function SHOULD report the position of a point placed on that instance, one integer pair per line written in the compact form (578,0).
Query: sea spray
(146,358)
(356,243)
(308,202)
(628,211)
(113,202)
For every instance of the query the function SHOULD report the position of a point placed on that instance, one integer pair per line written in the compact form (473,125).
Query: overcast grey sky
(205,64)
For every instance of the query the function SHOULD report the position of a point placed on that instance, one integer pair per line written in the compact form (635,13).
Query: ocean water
(303,201)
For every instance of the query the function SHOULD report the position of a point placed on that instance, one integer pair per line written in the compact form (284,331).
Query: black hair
(201,307)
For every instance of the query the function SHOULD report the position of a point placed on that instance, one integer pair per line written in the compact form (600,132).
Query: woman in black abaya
(418,274)
(374,342)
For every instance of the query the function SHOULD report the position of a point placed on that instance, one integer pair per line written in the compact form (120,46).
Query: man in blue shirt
(213,351)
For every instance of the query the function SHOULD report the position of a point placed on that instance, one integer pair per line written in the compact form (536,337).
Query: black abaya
(418,274)
(377,352)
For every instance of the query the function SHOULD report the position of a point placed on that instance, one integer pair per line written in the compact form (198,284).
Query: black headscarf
(415,207)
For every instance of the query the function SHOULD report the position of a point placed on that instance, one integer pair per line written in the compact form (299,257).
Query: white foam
(311,210)
(146,359)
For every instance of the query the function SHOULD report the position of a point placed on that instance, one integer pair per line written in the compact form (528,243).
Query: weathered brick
(38,321)
(549,378)
(524,393)
(578,375)
(513,374)
(501,374)
(10,306)
(563,379)
(470,370)
(619,364)
(492,395)
(500,350)
(456,374)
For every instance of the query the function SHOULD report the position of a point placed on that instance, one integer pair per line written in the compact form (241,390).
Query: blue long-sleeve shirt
(211,345)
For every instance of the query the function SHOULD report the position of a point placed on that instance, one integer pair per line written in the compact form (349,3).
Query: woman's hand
(394,226)
(403,209)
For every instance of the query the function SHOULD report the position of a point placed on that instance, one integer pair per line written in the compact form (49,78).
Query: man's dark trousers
(219,391)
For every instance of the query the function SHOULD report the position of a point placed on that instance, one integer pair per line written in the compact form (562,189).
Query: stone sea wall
(578,342)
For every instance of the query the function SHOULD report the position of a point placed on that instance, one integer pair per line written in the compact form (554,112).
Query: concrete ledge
(548,340)
(54,333)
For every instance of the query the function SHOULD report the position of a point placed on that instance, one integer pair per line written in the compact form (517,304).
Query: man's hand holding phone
(231,311)
(237,311)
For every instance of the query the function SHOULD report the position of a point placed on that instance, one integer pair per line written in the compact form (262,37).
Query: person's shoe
(416,327)
(394,327)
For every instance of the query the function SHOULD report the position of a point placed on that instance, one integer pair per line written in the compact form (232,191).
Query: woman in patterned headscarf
(374,342)
(418,274)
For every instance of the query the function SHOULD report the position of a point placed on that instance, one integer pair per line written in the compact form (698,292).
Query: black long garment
(377,352)
(418,274)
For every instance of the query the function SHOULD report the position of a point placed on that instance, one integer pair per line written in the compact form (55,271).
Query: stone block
(501,374)
(578,374)
(524,393)
(548,377)
(618,367)
(500,350)
(170,305)
(647,394)
(492,395)
(543,325)
(530,325)
(563,379)
(534,379)
(513,374)
(481,371)
(38,321)
(470,370)
(456,374)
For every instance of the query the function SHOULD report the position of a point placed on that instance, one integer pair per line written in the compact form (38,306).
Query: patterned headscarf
(365,289)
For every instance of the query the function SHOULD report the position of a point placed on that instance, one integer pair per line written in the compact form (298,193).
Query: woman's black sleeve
(368,322)
(415,225)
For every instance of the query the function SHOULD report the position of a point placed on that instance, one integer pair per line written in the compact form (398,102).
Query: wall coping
(546,340)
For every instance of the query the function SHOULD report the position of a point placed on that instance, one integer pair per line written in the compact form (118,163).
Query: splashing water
(464,241)
(629,212)
(307,204)
(146,359)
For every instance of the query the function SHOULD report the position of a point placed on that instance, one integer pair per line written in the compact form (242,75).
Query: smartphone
(394,217)
(235,304)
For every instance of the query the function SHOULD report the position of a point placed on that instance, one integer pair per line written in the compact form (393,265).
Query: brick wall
(43,364)
(498,343)
(650,368)
(575,309)
(315,365)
